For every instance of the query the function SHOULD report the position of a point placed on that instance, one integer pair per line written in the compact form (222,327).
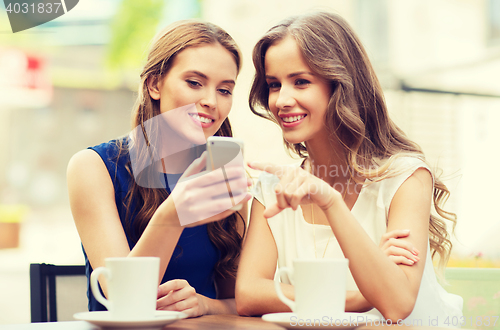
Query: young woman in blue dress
(191,65)
(364,190)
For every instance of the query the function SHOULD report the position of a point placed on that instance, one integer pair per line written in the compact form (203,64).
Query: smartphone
(221,150)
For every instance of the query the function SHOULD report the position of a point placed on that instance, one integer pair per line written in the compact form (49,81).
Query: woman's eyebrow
(291,75)
(204,76)
(198,73)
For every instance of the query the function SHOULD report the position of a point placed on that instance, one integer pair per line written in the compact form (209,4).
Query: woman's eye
(273,85)
(225,91)
(301,82)
(193,83)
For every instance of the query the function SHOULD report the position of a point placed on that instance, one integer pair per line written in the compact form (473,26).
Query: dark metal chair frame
(43,289)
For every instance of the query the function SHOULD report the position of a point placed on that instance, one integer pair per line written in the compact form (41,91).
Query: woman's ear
(153,87)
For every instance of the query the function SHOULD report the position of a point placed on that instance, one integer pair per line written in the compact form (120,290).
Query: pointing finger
(267,167)
(272,210)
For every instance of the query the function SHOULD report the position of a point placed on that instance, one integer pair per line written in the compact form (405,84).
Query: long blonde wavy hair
(357,116)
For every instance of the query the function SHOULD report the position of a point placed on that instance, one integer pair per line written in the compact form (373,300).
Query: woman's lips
(201,120)
(292,120)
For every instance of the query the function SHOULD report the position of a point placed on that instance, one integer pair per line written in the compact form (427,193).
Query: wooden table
(207,322)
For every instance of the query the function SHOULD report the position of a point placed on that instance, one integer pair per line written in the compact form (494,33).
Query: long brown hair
(168,43)
(357,116)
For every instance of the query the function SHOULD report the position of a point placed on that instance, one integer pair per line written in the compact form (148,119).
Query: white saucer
(343,321)
(104,320)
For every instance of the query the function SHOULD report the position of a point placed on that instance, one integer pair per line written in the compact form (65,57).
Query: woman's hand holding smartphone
(205,196)
(226,152)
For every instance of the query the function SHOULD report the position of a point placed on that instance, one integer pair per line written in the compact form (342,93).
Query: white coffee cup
(132,285)
(320,287)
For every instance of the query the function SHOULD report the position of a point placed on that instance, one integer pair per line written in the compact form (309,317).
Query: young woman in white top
(362,181)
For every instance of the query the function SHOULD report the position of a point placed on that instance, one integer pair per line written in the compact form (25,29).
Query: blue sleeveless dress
(195,255)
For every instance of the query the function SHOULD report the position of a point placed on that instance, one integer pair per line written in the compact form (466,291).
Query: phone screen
(222,152)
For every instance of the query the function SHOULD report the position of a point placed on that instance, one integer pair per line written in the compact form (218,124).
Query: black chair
(54,286)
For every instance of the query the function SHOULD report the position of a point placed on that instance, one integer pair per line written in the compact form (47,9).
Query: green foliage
(132,29)
(480,289)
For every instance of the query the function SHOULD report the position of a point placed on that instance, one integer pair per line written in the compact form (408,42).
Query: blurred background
(70,83)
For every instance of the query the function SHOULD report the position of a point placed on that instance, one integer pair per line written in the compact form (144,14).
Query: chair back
(57,292)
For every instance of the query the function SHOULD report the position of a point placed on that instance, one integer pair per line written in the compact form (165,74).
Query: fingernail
(415,251)
(412,262)
(406,231)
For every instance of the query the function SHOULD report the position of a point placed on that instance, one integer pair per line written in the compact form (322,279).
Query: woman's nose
(209,100)
(285,99)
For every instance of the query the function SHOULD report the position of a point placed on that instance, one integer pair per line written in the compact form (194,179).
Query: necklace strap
(314,228)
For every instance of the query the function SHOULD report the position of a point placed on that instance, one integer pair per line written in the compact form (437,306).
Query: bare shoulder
(412,202)
(84,158)
(84,163)
(420,179)
(86,173)
(257,211)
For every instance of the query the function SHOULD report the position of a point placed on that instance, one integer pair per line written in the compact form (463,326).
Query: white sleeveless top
(294,239)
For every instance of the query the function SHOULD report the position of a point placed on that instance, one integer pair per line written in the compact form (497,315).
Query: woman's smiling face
(298,98)
(204,77)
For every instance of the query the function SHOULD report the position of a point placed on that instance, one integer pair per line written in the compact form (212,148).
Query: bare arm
(97,220)
(398,251)
(178,295)
(398,285)
(96,217)
(255,293)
